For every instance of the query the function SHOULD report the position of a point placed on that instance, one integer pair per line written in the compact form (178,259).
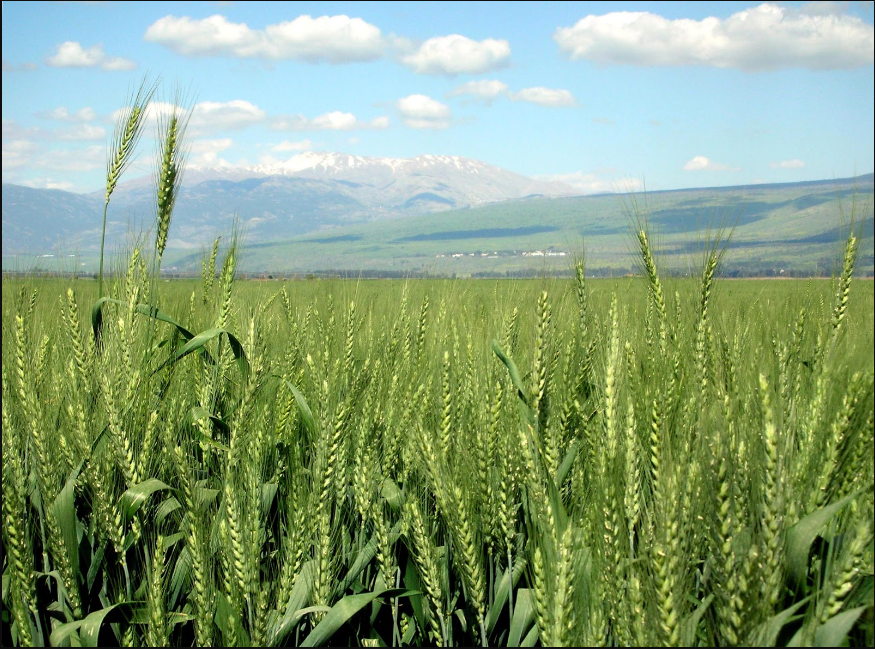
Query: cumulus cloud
(421,111)
(155,112)
(205,153)
(765,37)
(545,97)
(82,132)
(48,183)
(205,117)
(71,54)
(212,116)
(87,159)
(63,115)
(603,121)
(12,130)
(701,163)
(288,145)
(117,63)
(332,39)
(788,164)
(485,91)
(24,154)
(333,121)
(24,67)
(456,54)
(18,153)
(594,183)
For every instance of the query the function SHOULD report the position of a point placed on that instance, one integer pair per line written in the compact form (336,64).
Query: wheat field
(645,461)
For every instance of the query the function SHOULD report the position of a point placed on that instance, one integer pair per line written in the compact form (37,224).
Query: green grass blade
(197,413)
(835,630)
(196,344)
(531,638)
(513,371)
(767,633)
(343,611)
(278,633)
(89,628)
(508,580)
(181,574)
(65,513)
(523,617)
(166,508)
(802,535)
(306,413)
(567,462)
(132,499)
(691,624)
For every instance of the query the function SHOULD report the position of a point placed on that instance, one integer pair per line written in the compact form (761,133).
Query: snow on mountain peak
(457,180)
(325,161)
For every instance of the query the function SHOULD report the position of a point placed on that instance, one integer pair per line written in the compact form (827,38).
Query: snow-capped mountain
(448,181)
(309,191)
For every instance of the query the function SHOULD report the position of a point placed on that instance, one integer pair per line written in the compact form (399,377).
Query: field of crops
(554,462)
(452,463)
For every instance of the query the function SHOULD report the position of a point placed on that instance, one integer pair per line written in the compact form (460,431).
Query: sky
(606,96)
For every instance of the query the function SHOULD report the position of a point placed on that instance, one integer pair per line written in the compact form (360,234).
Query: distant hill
(779,229)
(309,192)
(442,215)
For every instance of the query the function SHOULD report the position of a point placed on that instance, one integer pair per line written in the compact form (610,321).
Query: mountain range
(437,215)
(309,192)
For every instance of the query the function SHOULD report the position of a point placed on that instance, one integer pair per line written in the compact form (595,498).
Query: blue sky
(603,95)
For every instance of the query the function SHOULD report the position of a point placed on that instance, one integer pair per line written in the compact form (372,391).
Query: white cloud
(765,37)
(24,67)
(332,39)
(82,132)
(485,91)
(288,145)
(48,183)
(545,97)
(12,130)
(788,164)
(205,117)
(63,115)
(594,183)
(421,111)
(205,153)
(333,121)
(71,54)
(701,163)
(156,111)
(603,121)
(825,8)
(456,54)
(213,116)
(18,153)
(117,63)
(87,159)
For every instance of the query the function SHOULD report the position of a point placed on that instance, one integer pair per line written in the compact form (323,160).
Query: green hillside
(789,229)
